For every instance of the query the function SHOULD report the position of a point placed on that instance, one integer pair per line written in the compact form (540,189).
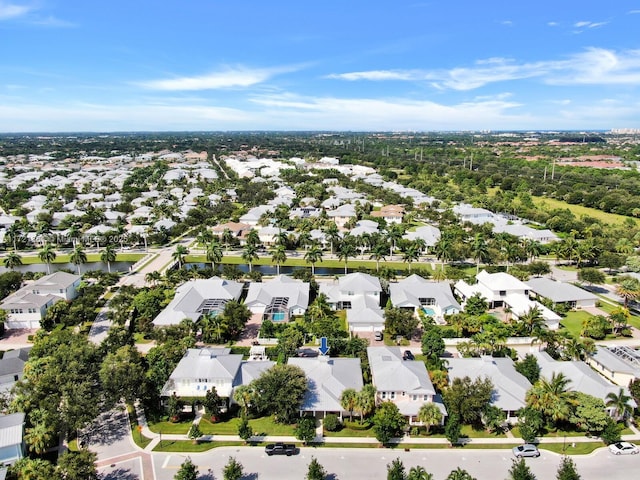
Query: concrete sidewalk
(406,440)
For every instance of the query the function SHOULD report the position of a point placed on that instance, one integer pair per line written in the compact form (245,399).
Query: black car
(280,449)
(407,355)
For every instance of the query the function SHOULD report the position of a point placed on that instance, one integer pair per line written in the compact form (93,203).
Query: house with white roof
(427,233)
(365,227)
(403,382)
(198,297)
(327,378)
(434,299)
(467,213)
(253,216)
(12,446)
(342,215)
(619,363)
(582,378)
(12,368)
(278,299)
(203,368)
(358,294)
(509,387)
(561,293)
(28,306)
(501,289)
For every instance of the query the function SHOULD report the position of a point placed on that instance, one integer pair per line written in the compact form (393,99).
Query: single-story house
(327,378)
(12,367)
(12,446)
(561,293)
(435,299)
(278,299)
(198,297)
(619,363)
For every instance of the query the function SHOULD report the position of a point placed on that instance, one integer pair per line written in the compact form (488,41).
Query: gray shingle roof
(559,291)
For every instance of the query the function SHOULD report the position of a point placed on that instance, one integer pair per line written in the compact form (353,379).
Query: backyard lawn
(573,322)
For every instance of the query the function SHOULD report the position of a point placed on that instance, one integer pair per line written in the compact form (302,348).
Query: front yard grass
(261,426)
(138,438)
(171,427)
(573,322)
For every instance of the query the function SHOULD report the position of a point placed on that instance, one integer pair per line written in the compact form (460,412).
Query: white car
(526,450)
(624,448)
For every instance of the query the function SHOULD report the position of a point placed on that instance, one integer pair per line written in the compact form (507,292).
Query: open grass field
(579,210)
(573,322)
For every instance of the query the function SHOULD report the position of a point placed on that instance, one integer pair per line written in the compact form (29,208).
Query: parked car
(378,336)
(526,450)
(624,448)
(407,355)
(280,449)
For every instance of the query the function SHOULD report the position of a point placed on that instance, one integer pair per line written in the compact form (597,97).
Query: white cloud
(633,12)
(507,23)
(553,24)
(228,78)
(593,66)
(10,10)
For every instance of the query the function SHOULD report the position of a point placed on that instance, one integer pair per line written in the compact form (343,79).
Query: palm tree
(479,250)
(13,232)
(429,414)
(279,256)
(419,473)
(250,254)
(74,233)
(347,251)
(38,438)
(47,255)
(628,289)
(532,248)
(214,253)
(12,260)
(410,254)
(348,400)
(443,248)
(179,255)
(304,239)
(378,253)
(394,233)
(153,277)
(252,238)
(227,238)
(333,234)
(365,401)
(108,255)
(551,397)
(459,474)
(313,256)
(531,321)
(619,402)
(204,237)
(244,395)
(78,256)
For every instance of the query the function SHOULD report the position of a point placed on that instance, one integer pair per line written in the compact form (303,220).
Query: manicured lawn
(468,431)
(189,446)
(573,322)
(139,439)
(634,320)
(32,258)
(170,427)
(579,210)
(352,432)
(139,338)
(260,426)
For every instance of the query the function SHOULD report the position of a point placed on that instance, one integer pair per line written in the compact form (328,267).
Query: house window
(346,305)
(425,397)
(350,294)
(414,397)
(15,378)
(32,310)
(392,395)
(383,395)
(503,293)
(61,290)
(427,301)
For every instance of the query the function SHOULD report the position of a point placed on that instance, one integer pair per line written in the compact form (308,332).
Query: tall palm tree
(47,255)
(108,255)
(619,402)
(214,253)
(394,233)
(12,260)
(628,289)
(479,250)
(304,239)
(378,253)
(179,254)
(333,235)
(410,254)
(74,233)
(252,238)
(279,256)
(227,238)
(347,251)
(313,256)
(532,248)
(78,256)
(153,277)
(348,400)
(13,232)
(551,397)
(443,248)
(204,237)
(365,401)
(531,321)
(250,254)
(429,414)
(459,474)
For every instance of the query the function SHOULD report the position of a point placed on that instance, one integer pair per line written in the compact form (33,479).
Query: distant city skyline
(142,65)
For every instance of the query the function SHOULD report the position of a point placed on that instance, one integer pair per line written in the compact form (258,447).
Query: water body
(271,270)
(85,267)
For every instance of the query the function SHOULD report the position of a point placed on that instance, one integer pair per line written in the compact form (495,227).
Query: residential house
(619,363)
(342,215)
(253,216)
(390,213)
(403,382)
(561,293)
(198,297)
(28,306)
(434,299)
(427,233)
(359,294)
(503,290)
(12,446)
(509,387)
(12,367)
(327,378)
(278,299)
(582,378)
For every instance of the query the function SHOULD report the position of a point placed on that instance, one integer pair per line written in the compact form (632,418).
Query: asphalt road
(348,464)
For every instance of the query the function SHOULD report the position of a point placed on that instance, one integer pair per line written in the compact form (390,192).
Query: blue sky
(97,65)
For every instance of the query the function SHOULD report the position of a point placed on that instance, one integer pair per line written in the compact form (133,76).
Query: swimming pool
(428,311)
(278,316)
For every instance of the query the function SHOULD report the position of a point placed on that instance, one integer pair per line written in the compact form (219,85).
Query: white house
(560,292)
(12,446)
(28,306)
(278,299)
(403,382)
(619,363)
(435,299)
(342,214)
(199,297)
(509,387)
(327,378)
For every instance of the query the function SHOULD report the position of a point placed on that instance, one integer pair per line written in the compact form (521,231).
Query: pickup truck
(280,449)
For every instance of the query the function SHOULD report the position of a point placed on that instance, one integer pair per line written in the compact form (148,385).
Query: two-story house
(278,299)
